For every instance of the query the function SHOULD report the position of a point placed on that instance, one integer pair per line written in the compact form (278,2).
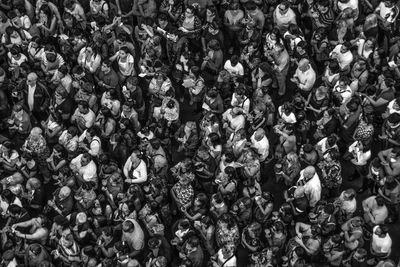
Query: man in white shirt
(304,76)
(234,67)
(284,16)
(260,143)
(312,185)
(343,55)
(84,168)
(381,243)
(233,120)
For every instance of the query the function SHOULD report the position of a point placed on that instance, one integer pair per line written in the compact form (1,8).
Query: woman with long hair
(89,58)
(47,23)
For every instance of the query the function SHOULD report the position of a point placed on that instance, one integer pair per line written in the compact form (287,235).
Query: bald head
(65,191)
(309,172)
(259,134)
(31,79)
(304,64)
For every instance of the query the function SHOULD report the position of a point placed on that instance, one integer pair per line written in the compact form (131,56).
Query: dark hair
(107,62)
(60,149)
(46,10)
(250,6)
(347,44)
(335,154)
(125,49)
(214,44)
(215,139)
(8,195)
(302,44)
(324,3)
(384,229)
(87,156)
(73,130)
(394,118)
(15,50)
(380,201)
(84,104)
(196,71)
(155,143)
(14,209)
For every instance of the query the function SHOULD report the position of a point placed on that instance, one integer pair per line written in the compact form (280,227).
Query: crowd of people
(196,133)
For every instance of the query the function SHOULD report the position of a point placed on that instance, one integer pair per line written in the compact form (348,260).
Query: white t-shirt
(343,59)
(88,172)
(231,262)
(262,147)
(124,67)
(345,94)
(384,11)
(381,245)
(95,145)
(312,188)
(361,158)
(236,70)
(140,172)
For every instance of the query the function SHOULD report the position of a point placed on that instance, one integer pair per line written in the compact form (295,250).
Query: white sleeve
(142,174)
(94,148)
(90,173)
(127,166)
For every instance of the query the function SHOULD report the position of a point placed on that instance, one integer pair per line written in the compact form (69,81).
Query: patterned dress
(40,152)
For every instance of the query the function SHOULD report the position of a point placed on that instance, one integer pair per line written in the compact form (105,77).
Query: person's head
(323,6)
(131,83)
(304,65)
(283,7)
(195,71)
(380,201)
(106,66)
(299,192)
(192,244)
(36,133)
(301,47)
(228,250)
(200,200)
(45,12)
(123,52)
(83,107)
(128,226)
(279,47)
(214,45)
(136,156)
(69,4)
(31,79)
(309,172)
(250,6)
(34,250)
(389,3)
(393,120)
(202,153)
(345,47)
(382,230)
(316,230)
(86,159)
(189,12)
(292,157)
